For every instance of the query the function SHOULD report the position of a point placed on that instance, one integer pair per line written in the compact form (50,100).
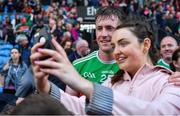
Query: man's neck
(168,61)
(105,56)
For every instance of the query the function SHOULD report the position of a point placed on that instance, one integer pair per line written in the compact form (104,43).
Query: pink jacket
(147,93)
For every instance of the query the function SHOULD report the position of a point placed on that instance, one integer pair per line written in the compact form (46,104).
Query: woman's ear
(146,45)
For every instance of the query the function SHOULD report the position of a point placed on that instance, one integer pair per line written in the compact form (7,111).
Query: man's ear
(146,45)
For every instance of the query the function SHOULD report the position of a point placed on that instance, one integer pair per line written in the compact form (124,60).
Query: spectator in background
(77,28)
(88,37)
(16,68)
(37,27)
(25,48)
(104,3)
(22,27)
(146,11)
(67,45)
(10,5)
(16,20)
(57,29)
(66,36)
(7,31)
(93,3)
(60,26)
(171,22)
(10,35)
(52,25)
(20,6)
(72,15)
(167,46)
(73,31)
(57,36)
(159,16)
(81,50)
(1,6)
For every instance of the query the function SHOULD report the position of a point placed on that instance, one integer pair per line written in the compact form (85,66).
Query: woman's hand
(59,66)
(6,66)
(41,78)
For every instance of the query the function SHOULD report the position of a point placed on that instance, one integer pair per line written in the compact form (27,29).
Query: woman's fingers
(38,53)
(36,46)
(51,54)
(59,48)
(34,54)
(50,67)
(48,64)
(37,73)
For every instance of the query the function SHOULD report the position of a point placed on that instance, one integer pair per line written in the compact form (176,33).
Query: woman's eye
(123,44)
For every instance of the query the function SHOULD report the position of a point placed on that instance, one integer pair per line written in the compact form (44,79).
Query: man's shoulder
(86,59)
(161,62)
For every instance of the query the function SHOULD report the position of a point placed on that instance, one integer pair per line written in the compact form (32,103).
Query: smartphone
(44,36)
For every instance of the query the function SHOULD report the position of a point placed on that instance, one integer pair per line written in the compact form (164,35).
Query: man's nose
(104,32)
(166,48)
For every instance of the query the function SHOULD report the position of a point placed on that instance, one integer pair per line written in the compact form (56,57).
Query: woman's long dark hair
(142,29)
(175,56)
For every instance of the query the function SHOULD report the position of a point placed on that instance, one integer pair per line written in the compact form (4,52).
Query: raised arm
(41,78)
(59,65)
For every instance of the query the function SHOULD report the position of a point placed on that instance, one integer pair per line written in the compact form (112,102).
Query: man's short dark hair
(109,11)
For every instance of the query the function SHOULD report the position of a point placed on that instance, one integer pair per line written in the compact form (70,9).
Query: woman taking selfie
(137,88)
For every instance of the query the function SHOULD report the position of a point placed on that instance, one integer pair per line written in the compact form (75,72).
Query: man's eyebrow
(110,26)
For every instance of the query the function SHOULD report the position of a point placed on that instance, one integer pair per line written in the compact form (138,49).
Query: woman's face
(127,50)
(15,54)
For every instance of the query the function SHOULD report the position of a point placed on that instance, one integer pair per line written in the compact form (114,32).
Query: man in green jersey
(167,46)
(100,65)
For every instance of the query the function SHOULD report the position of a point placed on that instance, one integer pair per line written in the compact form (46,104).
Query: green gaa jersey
(94,69)
(161,62)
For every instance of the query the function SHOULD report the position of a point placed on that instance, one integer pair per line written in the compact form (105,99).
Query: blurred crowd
(21,20)
(61,16)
